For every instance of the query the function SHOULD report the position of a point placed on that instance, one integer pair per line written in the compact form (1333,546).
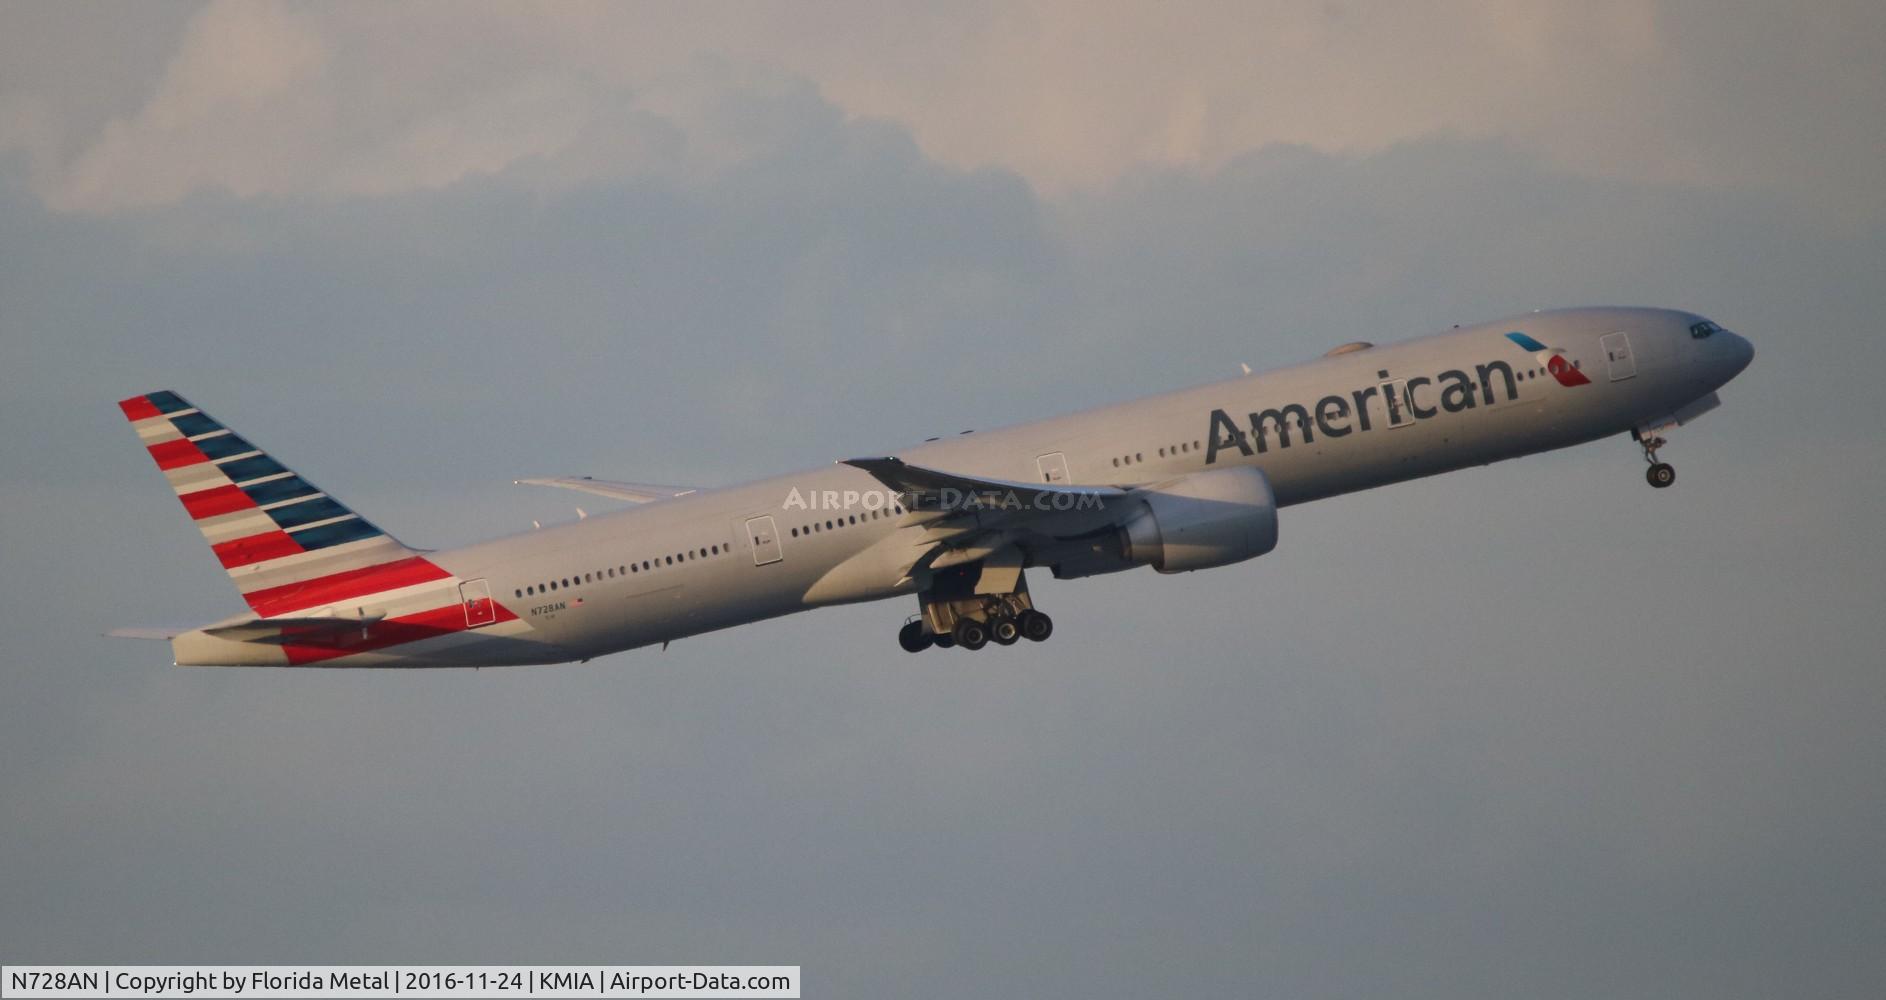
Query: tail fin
(284,542)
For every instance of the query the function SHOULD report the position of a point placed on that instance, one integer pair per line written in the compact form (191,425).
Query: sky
(1531,729)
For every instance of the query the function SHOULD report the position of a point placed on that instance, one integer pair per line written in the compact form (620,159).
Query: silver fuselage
(1324,449)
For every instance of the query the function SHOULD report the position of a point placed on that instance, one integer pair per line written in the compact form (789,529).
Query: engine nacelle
(1203,520)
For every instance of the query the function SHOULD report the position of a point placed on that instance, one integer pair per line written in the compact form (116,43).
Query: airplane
(1184,480)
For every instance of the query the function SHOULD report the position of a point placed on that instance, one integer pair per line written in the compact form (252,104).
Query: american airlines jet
(1185,480)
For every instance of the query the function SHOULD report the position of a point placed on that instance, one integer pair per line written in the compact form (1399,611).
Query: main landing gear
(971,633)
(959,610)
(1661,473)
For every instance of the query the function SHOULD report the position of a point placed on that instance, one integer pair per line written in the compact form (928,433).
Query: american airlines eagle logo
(1552,359)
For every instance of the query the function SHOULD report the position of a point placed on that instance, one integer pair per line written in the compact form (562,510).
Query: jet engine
(1198,521)
(1203,520)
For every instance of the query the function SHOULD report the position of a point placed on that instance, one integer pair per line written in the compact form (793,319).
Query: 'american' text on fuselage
(1331,414)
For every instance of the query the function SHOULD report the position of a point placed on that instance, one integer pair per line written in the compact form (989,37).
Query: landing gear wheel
(1035,626)
(970,634)
(1660,474)
(1004,631)
(943,640)
(913,638)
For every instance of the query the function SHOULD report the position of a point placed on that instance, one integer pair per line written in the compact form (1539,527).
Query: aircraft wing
(967,519)
(934,489)
(632,492)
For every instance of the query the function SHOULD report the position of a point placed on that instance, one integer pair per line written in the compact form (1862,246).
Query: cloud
(346,102)
(241,106)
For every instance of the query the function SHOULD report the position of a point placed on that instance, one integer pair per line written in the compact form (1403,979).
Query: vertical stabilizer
(287,545)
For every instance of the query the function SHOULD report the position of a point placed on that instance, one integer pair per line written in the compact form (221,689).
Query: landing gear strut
(1661,473)
(960,610)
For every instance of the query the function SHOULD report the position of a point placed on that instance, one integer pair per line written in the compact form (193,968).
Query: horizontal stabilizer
(632,492)
(283,630)
(164,632)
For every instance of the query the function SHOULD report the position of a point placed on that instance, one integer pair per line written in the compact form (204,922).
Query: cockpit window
(1703,329)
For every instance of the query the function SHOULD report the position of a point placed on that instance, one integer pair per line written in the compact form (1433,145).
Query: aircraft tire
(1660,475)
(913,638)
(970,634)
(1004,631)
(1035,626)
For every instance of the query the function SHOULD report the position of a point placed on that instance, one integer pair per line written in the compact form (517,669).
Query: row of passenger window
(651,565)
(1168,451)
(847,521)
(613,572)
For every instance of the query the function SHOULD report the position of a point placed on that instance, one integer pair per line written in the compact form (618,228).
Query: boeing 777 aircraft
(1184,480)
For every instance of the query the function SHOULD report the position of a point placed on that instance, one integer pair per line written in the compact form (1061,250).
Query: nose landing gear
(1660,474)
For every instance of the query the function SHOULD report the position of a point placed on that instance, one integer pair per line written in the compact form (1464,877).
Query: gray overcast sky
(1525,730)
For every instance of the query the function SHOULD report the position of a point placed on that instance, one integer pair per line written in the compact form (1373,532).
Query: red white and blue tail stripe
(325,584)
(274,531)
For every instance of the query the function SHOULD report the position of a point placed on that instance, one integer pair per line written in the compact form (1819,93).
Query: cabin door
(1053,468)
(475,595)
(1395,401)
(1617,353)
(764,538)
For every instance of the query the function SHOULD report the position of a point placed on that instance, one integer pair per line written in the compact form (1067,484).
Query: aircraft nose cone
(1740,352)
